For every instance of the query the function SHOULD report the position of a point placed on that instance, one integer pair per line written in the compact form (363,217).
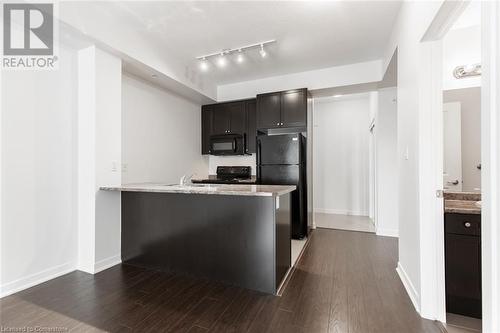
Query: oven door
(229,144)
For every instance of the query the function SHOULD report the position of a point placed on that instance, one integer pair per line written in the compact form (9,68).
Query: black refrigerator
(281,160)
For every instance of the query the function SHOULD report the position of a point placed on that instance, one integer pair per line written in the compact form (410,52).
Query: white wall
(38,221)
(161,138)
(470,107)
(387,163)
(359,73)
(413,20)
(461,47)
(340,153)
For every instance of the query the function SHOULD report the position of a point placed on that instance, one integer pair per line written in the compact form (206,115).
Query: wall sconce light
(461,72)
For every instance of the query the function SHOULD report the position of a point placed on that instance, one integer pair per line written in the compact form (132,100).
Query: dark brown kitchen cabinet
(294,108)
(206,128)
(221,120)
(269,110)
(282,109)
(251,131)
(237,117)
(463,264)
(229,118)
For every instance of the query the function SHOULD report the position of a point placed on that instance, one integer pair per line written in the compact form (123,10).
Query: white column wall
(99,159)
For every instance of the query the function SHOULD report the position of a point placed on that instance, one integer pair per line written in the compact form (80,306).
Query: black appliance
(229,175)
(227,144)
(281,160)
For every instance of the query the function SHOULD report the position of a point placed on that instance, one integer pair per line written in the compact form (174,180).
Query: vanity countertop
(461,207)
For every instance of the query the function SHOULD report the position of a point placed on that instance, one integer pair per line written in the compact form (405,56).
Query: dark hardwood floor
(345,282)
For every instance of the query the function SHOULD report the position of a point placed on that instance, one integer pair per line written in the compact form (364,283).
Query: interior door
(452,147)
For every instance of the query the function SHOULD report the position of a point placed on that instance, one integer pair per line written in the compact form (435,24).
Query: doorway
(342,162)
(451,53)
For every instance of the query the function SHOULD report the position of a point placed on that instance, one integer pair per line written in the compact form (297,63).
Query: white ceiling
(470,17)
(310,34)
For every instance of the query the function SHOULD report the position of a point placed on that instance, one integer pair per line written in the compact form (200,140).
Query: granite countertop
(462,202)
(221,189)
(457,195)
(461,207)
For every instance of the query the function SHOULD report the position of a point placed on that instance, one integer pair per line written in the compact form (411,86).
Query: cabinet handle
(467,224)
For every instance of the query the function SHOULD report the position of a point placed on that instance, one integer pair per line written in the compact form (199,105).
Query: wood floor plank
(344,282)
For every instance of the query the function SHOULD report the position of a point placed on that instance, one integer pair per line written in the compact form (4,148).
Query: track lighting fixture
(240,56)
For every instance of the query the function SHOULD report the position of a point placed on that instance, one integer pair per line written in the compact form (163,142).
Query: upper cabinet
(206,127)
(285,109)
(236,114)
(251,132)
(229,118)
(269,110)
(282,109)
(221,121)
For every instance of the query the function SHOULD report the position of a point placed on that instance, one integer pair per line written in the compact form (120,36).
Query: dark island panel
(227,238)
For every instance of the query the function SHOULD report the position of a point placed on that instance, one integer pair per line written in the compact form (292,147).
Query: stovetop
(212,179)
(230,175)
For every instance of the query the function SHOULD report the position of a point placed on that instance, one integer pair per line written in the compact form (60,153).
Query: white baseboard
(107,263)
(37,278)
(410,289)
(387,232)
(340,212)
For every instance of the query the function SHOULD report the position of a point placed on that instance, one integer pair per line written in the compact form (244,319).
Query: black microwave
(227,144)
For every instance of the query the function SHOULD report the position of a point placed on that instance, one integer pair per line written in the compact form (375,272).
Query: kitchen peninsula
(236,234)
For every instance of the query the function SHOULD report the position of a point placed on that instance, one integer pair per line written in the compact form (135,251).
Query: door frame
(430,176)
(490,155)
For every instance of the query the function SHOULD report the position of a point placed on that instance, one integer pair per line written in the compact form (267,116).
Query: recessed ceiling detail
(311,35)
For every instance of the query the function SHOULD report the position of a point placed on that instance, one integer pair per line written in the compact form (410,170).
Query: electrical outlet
(114,166)
(124,167)
(407,154)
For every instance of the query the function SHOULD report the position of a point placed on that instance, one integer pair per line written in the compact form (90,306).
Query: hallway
(344,222)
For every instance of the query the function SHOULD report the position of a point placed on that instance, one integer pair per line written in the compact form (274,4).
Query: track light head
(262,52)
(222,61)
(204,64)
(240,57)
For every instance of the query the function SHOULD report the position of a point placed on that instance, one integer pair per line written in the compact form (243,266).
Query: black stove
(229,175)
